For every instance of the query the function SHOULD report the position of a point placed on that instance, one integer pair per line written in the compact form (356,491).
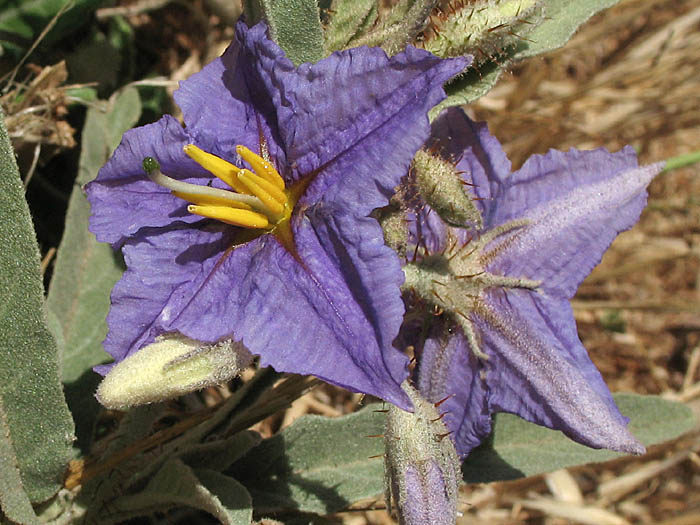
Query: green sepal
(38,430)
(400,27)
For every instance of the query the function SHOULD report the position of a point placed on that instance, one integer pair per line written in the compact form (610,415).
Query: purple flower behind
(508,340)
(315,291)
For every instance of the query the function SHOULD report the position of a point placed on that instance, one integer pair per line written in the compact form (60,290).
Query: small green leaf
(562,19)
(38,427)
(177,485)
(349,19)
(86,270)
(294,24)
(317,464)
(519,448)
(469,87)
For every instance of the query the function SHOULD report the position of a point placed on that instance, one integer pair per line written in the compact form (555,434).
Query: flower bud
(421,466)
(171,366)
(440,185)
(482,28)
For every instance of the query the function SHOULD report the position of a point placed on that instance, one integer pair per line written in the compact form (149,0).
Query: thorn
(469,276)
(376,436)
(442,401)
(381,411)
(443,436)
(377,456)
(496,28)
(439,417)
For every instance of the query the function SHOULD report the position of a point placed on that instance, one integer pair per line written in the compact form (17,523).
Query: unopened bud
(440,185)
(171,366)
(482,28)
(392,219)
(421,466)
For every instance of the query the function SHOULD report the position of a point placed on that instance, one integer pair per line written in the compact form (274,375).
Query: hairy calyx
(455,279)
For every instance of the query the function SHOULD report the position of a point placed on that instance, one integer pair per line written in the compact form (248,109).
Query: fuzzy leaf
(14,501)
(317,464)
(469,87)
(38,428)
(177,485)
(86,270)
(294,24)
(349,19)
(518,448)
(562,19)
(220,454)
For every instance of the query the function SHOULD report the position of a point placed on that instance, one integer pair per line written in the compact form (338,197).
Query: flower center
(257,199)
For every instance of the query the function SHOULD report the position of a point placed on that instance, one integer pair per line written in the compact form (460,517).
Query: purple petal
(328,312)
(538,369)
(372,95)
(373,138)
(124,200)
(225,104)
(577,202)
(161,265)
(449,372)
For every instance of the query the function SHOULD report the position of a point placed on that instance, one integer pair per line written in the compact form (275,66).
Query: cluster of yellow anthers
(258,199)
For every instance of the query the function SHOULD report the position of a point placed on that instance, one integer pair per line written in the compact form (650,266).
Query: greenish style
(38,430)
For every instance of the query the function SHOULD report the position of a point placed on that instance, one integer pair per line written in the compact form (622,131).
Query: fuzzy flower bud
(171,366)
(483,28)
(440,185)
(421,467)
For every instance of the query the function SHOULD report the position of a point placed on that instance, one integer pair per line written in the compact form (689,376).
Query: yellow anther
(222,169)
(261,167)
(235,216)
(276,207)
(208,200)
(279,195)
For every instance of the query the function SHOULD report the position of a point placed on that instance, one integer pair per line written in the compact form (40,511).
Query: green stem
(682,161)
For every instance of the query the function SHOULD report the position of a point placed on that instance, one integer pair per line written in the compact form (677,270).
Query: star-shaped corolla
(506,339)
(253,221)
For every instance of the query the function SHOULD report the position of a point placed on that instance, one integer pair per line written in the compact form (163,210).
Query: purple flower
(506,340)
(288,262)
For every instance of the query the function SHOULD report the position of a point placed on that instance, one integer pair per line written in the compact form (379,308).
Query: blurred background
(630,76)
